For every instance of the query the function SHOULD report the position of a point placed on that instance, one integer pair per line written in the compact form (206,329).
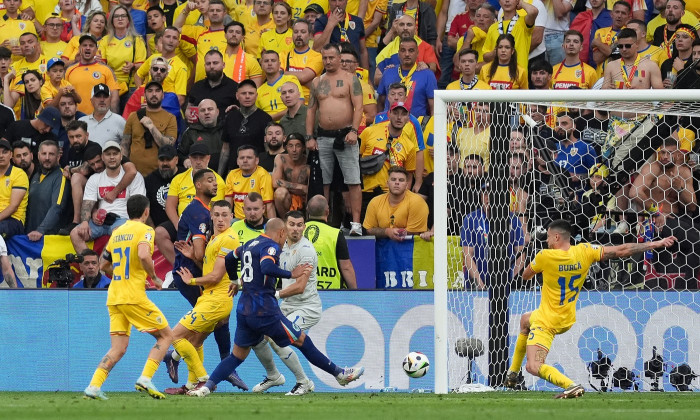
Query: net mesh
(620,172)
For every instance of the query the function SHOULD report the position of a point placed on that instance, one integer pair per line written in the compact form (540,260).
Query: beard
(274,147)
(214,75)
(166,173)
(560,135)
(154,105)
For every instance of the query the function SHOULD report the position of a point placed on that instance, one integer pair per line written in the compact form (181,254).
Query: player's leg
(519,352)
(119,329)
(539,342)
(304,319)
(273,377)
(183,342)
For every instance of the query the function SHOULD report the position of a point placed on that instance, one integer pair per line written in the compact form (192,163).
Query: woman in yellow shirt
(280,39)
(95,25)
(26,105)
(503,72)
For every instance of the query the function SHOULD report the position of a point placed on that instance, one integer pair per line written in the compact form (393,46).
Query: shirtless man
(665,184)
(290,177)
(337,95)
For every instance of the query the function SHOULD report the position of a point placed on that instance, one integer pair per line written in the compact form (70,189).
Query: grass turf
(360,406)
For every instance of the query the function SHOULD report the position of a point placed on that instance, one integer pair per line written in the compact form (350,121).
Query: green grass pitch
(358,406)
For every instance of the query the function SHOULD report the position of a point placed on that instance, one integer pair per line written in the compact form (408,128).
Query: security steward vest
(245,232)
(324,239)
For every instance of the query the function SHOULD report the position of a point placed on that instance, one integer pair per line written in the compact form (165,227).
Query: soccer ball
(416,364)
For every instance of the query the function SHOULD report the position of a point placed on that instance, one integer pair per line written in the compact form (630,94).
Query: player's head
(317,208)
(295,225)
(221,215)
(253,208)
(558,234)
(276,230)
(138,207)
(204,182)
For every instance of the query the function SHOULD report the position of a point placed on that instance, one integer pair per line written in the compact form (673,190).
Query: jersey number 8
(247,270)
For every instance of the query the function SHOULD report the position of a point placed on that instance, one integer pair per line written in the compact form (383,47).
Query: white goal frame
(441,100)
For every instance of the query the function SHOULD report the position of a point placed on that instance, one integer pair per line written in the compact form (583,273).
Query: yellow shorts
(146,317)
(541,335)
(206,314)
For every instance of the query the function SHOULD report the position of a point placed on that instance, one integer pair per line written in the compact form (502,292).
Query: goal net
(621,166)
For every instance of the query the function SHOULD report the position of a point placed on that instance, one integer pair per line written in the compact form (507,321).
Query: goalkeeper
(564,268)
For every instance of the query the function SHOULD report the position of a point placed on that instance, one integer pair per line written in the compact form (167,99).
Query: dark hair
(398,169)
(330,46)
(541,65)
(274,124)
(254,196)
(30,33)
(474,156)
(466,51)
(92,150)
(220,203)
(408,39)
(200,173)
(348,48)
(574,32)
(695,43)
(670,141)
(397,85)
(5,52)
(638,22)
(682,2)
(295,214)
(234,23)
(170,28)
(19,144)
(77,125)
(561,225)
(214,52)
(295,136)
(512,63)
(87,252)
(306,22)
(136,205)
(153,9)
(452,149)
(626,32)
(623,3)
(247,147)
(219,2)
(268,52)
(30,104)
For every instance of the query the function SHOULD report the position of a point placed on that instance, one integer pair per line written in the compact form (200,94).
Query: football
(416,364)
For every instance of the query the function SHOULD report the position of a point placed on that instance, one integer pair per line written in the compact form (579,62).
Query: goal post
(487,313)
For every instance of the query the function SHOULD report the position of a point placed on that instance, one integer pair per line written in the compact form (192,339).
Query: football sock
(291,360)
(200,353)
(317,358)
(99,377)
(519,353)
(222,335)
(223,370)
(190,356)
(264,354)
(150,368)
(175,355)
(552,375)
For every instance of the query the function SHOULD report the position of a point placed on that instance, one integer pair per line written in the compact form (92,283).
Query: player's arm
(146,258)
(528,273)
(198,245)
(106,263)
(213,277)
(295,288)
(621,251)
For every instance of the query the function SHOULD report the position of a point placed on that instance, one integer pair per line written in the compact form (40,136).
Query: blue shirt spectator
(577,157)
(103,283)
(421,88)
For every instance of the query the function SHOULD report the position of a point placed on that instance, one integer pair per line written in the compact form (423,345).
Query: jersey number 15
(574,290)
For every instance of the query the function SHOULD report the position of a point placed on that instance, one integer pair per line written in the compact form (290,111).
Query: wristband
(277,294)
(353,129)
(193,281)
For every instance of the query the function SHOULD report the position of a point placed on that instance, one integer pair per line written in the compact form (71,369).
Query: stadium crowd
(286,100)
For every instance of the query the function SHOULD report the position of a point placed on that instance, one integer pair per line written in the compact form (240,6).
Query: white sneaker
(95,393)
(145,385)
(200,392)
(349,374)
(355,229)
(302,388)
(268,383)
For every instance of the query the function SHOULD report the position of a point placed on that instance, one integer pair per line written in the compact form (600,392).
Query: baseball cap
(313,7)
(53,62)
(51,116)
(5,144)
(152,83)
(399,105)
(199,148)
(100,89)
(85,37)
(167,152)
(110,144)
(160,61)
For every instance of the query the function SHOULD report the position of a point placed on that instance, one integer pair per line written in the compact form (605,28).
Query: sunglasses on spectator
(159,69)
(626,46)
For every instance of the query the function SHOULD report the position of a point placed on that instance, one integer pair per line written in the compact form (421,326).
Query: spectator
(461,24)
(302,61)
(420,84)
(5,67)
(177,70)
(398,212)
(180,195)
(23,158)
(36,130)
(348,62)
(249,177)
(147,128)
(203,38)
(82,75)
(598,200)
(239,64)
(107,216)
(476,34)
(208,129)
(48,196)
(384,146)
(274,145)
(6,266)
(660,19)
(604,38)
(337,96)
(158,183)
(243,126)
(157,23)
(630,72)
(340,26)
(168,8)
(373,19)
(690,78)
(92,277)
(279,39)
(682,52)
(31,59)
(13,194)
(269,99)
(215,86)
(253,223)
(558,19)
(517,186)
(290,176)
(294,120)
(335,270)
(259,22)
(573,155)
(70,17)
(475,245)
(589,22)
(469,79)
(663,36)
(103,124)
(13,26)
(137,16)
(312,12)
(123,49)
(646,50)
(572,71)
(68,109)
(56,85)
(540,75)
(684,255)
(665,185)
(424,16)
(503,72)
(95,25)
(53,46)
(404,27)
(519,25)
(475,140)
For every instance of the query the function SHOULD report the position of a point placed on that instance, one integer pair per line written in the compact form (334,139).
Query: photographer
(91,277)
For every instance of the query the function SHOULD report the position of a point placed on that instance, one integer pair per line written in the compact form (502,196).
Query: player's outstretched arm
(213,277)
(626,250)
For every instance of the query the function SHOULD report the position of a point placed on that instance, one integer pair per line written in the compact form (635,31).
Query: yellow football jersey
(521,33)
(178,74)
(183,187)
(654,53)
(48,91)
(71,50)
(563,274)
(298,6)
(298,61)
(253,33)
(402,153)
(14,179)
(274,41)
(184,51)
(84,77)
(251,68)
(477,42)
(428,133)
(238,186)
(128,276)
(116,52)
(374,6)
(204,40)
(218,247)
(53,49)
(269,98)
(581,75)
(501,78)
(12,29)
